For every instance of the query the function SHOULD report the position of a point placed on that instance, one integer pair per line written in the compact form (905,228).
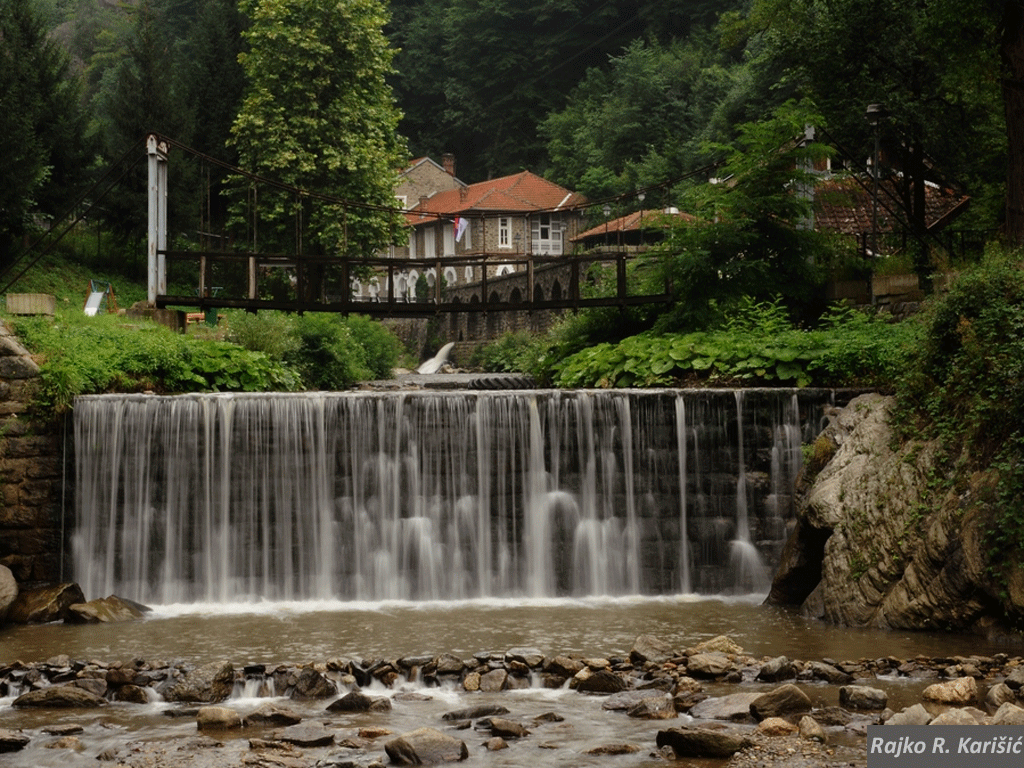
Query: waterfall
(434,495)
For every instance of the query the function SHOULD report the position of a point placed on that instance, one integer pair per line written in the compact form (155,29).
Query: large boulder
(862,697)
(531,657)
(12,741)
(493,681)
(709,665)
(357,701)
(273,714)
(703,742)
(217,719)
(507,729)
(311,684)
(781,701)
(654,708)
(209,684)
(305,735)
(106,610)
(1008,714)
(734,706)
(959,692)
(59,697)
(44,604)
(650,648)
(425,746)
(8,591)
(473,713)
(777,669)
(914,715)
(600,681)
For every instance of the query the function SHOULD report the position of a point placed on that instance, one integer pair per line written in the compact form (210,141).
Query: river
(306,632)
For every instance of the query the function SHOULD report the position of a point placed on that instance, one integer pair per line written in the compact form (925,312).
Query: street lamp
(641,196)
(874,114)
(607,209)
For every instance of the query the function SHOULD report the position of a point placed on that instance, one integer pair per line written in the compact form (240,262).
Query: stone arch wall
(32,470)
(472,328)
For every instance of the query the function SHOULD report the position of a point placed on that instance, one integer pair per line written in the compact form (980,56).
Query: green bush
(327,357)
(381,347)
(966,388)
(90,355)
(269,332)
(506,355)
(757,346)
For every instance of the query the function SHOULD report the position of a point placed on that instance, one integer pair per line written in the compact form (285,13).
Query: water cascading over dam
(435,495)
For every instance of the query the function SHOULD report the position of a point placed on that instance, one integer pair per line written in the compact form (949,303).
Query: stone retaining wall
(31,472)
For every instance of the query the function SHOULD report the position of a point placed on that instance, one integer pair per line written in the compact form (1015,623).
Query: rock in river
(424,746)
(59,697)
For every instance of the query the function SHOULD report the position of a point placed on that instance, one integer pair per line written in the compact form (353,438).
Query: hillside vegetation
(248,353)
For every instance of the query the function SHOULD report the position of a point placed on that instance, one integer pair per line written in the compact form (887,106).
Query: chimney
(448,161)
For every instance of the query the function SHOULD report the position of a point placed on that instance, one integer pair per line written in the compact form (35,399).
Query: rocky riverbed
(712,704)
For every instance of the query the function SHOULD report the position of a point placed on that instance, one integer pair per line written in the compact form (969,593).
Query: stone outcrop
(876,545)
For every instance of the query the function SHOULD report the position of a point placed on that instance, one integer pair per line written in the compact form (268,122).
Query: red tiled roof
(631,223)
(844,205)
(523,192)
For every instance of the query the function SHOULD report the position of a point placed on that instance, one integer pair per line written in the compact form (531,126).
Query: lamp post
(607,210)
(874,115)
(641,196)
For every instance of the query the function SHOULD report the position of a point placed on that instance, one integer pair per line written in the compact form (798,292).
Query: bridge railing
(310,283)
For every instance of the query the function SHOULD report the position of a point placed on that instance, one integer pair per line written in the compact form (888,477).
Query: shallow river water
(298,633)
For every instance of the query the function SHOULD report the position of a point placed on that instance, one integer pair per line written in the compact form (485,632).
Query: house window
(504,232)
(546,232)
(402,202)
(449,240)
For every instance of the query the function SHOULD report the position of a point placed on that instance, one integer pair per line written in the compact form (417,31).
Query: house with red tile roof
(634,230)
(518,215)
(846,205)
(424,178)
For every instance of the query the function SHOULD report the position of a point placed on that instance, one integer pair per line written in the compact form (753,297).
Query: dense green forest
(603,96)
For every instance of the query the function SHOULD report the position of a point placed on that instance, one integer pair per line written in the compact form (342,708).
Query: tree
(477,77)
(212,79)
(638,122)
(751,239)
(138,96)
(42,127)
(1011,51)
(319,115)
(932,64)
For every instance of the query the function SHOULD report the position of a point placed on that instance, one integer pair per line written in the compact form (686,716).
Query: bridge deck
(314,283)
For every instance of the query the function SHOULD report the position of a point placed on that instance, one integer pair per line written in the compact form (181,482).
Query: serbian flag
(460,225)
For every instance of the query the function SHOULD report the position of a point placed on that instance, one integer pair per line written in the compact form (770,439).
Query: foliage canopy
(319,115)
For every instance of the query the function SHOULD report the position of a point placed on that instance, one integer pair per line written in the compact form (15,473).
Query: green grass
(269,351)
